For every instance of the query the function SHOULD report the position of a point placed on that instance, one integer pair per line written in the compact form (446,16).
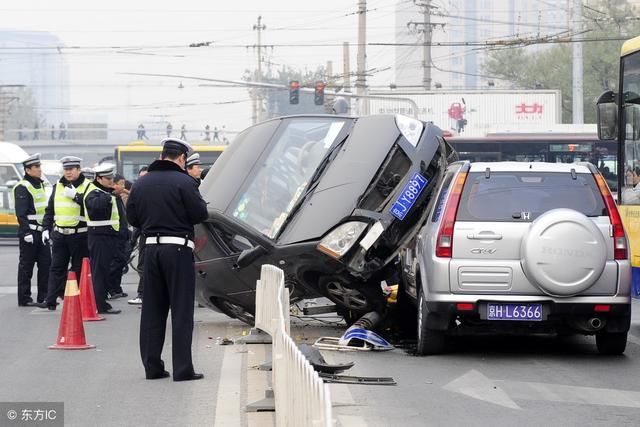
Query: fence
(301,397)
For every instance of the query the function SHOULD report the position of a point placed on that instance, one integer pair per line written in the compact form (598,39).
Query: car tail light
(619,239)
(444,243)
(602,308)
(464,306)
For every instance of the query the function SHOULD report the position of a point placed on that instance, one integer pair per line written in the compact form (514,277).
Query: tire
(353,296)
(611,343)
(560,266)
(234,311)
(429,341)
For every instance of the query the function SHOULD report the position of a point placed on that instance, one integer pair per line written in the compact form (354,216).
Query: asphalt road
(498,381)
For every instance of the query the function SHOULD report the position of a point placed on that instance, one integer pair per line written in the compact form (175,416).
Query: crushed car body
(329,199)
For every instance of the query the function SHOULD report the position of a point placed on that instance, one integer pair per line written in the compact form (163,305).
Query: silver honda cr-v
(521,247)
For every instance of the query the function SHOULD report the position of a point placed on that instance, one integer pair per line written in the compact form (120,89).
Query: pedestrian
(103,220)
(216,134)
(142,133)
(36,131)
(30,203)
(123,244)
(207,133)
(169,130)
(183,132)
(137,237)
(65,224)
(223,135)
(193,167)
(167,218)
(53,132)
(62,133)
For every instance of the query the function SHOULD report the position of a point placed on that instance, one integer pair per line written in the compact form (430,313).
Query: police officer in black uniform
(30,202)
(64,221)
(165,205)
(193,167)
(103,220)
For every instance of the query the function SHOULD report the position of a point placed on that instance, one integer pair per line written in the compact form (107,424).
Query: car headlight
(410,128)
(341,239)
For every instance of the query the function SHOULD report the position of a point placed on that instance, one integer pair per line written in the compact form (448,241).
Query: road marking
(476,385)
(228,395)
(500,392)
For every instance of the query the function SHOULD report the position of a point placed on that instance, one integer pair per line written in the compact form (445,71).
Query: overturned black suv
(329,199)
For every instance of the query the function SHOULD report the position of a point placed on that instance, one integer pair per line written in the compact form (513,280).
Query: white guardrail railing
(301,397)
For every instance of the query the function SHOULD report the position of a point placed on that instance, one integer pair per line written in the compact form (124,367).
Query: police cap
(33,160)
(193,160)
(70,162)
(88,173)
(105,170)
(176,144)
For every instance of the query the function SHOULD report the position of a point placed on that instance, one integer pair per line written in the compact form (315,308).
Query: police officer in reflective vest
(165,205)
(65,224)
(193,167)
(30,202)
(103,221)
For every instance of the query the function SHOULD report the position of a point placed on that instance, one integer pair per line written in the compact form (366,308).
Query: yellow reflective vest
(114,222)
(68,213)
(39,196)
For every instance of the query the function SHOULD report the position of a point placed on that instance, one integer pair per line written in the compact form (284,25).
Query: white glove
(45,237)
(69,192)
(28,238)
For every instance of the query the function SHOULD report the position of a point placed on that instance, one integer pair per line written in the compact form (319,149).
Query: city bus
(130,158)
(559,146)
(619,121)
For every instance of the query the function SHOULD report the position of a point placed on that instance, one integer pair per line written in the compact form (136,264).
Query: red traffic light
(294,84)
(319,86)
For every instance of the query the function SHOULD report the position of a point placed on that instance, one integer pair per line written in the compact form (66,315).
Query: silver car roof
(528,167)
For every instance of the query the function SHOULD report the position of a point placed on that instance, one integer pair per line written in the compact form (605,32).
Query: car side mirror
(607,111)
(248,256)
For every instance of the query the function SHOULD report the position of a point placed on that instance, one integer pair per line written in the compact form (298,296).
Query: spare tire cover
(563,253)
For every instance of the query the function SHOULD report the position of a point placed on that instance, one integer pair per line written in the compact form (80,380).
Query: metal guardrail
(301,396)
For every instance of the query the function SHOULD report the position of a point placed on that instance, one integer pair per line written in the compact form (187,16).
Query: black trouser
(101,249)
(70,247)
(118,263)
(30,254)
(141,266)
(170,284)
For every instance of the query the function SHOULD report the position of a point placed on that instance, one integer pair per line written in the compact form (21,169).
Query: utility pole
(361,79)
(346,68)
(427,31)
(257,94)
(578,99)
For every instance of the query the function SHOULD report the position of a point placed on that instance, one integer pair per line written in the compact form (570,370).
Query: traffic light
(294,92)
(318,97)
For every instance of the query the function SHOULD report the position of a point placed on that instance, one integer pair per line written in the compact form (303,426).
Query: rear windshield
(518,196)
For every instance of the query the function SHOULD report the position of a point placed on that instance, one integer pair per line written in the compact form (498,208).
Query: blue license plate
(497,311)
(408,197)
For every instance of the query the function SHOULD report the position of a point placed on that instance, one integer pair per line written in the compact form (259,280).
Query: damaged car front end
(329,199)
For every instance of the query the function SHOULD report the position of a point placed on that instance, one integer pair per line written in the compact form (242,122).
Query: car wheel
(358,297)
(429,341)
(561,266)
(234,311)
(611,343)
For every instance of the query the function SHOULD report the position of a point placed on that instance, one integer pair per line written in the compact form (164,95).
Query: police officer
(30,202)
(65,224)
(103,220)
(193,167)
(167,218)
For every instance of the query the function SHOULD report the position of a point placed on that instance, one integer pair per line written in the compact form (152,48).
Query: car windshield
(283,173)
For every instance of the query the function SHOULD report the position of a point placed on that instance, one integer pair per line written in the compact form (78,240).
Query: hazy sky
(106,39)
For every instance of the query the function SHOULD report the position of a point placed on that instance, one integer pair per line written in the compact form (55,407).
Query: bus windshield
(631,115)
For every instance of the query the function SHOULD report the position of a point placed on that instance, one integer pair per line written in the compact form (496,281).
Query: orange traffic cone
(71,331)
(87,298)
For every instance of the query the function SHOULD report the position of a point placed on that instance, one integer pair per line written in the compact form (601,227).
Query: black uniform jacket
(49,213)
(24,204)
(166,202)
(99,205)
